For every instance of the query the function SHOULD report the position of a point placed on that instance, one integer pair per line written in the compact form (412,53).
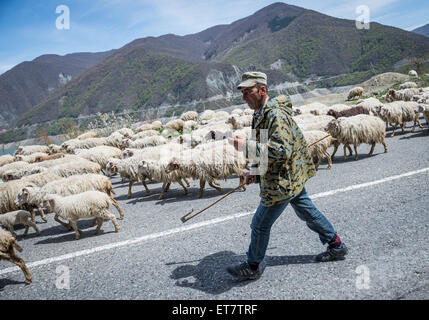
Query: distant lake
(7,151)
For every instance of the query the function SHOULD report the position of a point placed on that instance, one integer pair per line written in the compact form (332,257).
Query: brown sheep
(348,113)
(7,252)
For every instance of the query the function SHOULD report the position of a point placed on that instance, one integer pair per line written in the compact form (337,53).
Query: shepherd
(289,165)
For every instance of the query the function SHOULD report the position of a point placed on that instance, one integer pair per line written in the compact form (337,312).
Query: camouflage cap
(250,79)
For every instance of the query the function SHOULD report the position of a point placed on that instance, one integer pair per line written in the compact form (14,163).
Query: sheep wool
(356,130)
(87,204)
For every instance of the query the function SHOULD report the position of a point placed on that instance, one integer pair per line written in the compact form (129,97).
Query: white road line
(198,225)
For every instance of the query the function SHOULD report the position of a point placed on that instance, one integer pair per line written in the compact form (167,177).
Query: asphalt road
(155,256)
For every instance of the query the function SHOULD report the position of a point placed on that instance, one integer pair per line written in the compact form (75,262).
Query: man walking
(289,166)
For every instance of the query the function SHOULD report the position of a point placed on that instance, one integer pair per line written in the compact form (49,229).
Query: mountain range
(287,42)
(424,31)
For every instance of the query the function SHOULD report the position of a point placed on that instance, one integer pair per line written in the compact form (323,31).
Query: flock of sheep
(73,179)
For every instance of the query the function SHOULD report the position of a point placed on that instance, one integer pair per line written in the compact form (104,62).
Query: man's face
(253,97)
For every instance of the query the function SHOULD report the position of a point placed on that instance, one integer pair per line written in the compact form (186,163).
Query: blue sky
(28,27)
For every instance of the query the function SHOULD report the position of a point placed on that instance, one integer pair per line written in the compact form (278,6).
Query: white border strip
(197,225)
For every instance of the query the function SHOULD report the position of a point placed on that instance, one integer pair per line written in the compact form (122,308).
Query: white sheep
(169,133)
(248,112)
(144,134)
(413,73)
(8,192)
(424,108)
(207,115)
(206,164)
(33,196)
(189,115)
(12,165)
(143,143)
(53,148)
(314,123)
(156,125)
(238,112)
(215,131)
(190,125)
(355,92)
(65,169)
(371,104)
(156,169)
(7,252)
(126,132)
(100,154)
(9,219)
(6,159)
(146,126)
(315,108)
(87,204)
(405,94)
(221,115)
(399,113)
(176,124)
(30,158)
(239,122)
(127,167)
(318,150)
(407,85)
(357,130)
(27,150)
(14,174)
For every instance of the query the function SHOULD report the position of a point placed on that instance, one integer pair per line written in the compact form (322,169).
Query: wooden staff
(189,215)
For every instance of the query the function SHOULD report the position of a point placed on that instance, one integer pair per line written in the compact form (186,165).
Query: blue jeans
(265,217)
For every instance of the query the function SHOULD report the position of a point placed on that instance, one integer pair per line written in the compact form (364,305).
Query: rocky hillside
(28,83)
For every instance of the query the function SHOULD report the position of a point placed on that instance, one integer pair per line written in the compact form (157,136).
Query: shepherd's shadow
(210,275)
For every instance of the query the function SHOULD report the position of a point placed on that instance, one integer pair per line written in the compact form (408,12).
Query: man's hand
(248,178)
(238,142)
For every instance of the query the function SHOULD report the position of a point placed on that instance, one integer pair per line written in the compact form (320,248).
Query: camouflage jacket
(288,162)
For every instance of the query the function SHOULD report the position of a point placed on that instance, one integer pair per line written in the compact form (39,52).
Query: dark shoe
(243,271)
(332,253)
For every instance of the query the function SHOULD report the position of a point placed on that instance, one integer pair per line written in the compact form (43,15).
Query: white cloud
(5,67)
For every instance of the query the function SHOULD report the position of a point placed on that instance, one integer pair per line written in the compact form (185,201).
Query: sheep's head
(331,112)
(22,197)
(125,143)
(420,108)
(127,153)
(18,158)
(126,135)
(8,175)
(111,168)
(297,112)
(333,127)
(18,150)
(142,166)
(172,165)
(232,120)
